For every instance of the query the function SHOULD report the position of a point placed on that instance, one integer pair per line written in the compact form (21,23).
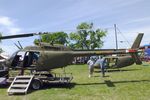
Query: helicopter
(44,57)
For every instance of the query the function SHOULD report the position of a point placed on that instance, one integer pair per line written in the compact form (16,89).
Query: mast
(116,36)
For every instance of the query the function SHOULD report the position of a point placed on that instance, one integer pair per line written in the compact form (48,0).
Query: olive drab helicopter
(45,57)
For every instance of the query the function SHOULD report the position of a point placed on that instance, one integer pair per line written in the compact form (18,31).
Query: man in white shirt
(102,63)
(91,66)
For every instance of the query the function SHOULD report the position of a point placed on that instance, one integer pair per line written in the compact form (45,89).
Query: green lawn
(132,83)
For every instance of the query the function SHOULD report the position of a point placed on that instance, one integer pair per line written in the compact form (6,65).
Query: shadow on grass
(102,76)
(110,83)
(47,86)
(58,85)
(54,85)
(146,65)
(117,70)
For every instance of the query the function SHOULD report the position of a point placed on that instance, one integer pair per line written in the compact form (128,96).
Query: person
(35,58)
(102,63)
(91,66)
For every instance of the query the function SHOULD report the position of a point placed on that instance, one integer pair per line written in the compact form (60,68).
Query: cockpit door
(18,59)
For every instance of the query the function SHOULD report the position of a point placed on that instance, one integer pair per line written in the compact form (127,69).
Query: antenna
(116,36)
(17,46)
(20,45)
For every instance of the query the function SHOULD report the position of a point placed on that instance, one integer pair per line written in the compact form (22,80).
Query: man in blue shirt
(102,63)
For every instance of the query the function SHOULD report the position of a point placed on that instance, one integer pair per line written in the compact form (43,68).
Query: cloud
(128,36)
(5,21)
(8,26)
(146,31)
(142,20)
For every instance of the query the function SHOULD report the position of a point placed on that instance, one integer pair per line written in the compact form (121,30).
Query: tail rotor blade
(136,45)
(136,58)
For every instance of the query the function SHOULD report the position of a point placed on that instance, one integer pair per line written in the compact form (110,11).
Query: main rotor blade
(17,36)
(21,35)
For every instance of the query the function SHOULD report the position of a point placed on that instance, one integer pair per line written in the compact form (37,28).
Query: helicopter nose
(3,65)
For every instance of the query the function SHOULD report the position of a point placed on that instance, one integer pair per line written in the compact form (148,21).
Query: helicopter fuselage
(40,60)
(44,60)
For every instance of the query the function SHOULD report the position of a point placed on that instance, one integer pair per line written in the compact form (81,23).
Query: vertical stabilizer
(137,41)
(136,45)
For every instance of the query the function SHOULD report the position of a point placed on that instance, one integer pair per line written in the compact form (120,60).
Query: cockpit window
(17,58)
(31,59)
(14,54)
(21,55)
(25,59)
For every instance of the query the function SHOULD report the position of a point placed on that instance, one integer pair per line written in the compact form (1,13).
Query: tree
(53,38)
(86,37)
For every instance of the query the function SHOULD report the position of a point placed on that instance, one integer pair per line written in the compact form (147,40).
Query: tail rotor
(135,46)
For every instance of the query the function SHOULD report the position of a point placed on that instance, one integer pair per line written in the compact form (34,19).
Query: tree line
(85,38)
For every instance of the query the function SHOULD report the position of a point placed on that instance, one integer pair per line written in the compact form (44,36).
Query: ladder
(20,84)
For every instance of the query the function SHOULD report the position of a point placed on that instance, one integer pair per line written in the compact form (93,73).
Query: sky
(25,16)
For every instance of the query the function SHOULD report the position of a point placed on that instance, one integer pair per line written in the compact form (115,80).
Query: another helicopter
(122,60)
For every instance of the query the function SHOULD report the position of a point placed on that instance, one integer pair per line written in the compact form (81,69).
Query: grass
(132,83)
